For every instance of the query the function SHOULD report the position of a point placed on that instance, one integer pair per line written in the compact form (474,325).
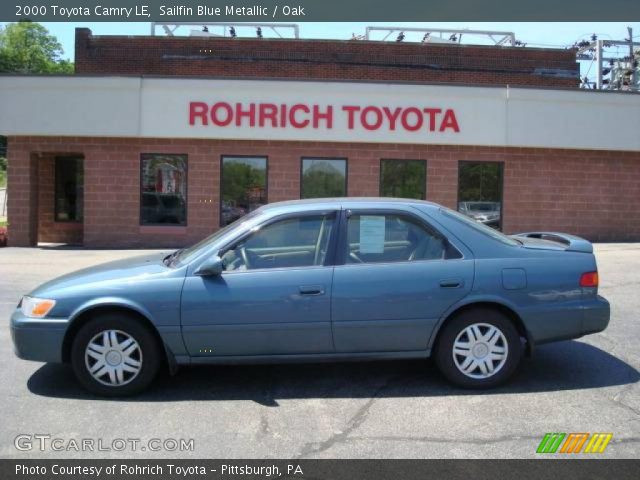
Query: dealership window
(69,186)
(323,177)
(480,192)
(403,178)
(164,189)
(243,186)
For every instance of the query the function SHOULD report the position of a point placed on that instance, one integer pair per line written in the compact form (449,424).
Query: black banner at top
(298,11)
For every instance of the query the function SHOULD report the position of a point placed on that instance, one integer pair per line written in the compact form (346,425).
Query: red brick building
(157,141)
(324,60)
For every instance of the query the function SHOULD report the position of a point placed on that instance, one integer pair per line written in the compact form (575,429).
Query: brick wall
(323,59)
(589,193)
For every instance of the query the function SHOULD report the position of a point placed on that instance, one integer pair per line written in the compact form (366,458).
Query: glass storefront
(480,192)
(244,181)
(163,189)
(243,186)
(323,177)
(403,179)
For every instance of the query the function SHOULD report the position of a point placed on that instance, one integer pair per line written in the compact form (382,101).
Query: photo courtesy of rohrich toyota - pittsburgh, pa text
(319,240)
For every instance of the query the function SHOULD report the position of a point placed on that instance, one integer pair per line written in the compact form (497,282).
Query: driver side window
(384,238)
(292,242)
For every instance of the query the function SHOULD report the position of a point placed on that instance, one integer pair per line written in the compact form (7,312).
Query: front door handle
(311,290)
(451,283)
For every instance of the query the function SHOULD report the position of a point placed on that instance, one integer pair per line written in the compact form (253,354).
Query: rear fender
(485,301)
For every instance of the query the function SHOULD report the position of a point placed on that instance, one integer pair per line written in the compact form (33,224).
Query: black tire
(448,362)
(149,353)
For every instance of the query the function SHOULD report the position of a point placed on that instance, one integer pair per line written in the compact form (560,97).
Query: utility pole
(599,64)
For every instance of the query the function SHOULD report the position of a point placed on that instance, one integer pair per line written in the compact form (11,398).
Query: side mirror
(210,267)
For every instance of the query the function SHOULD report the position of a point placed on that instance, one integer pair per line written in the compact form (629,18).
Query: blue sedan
(309,280)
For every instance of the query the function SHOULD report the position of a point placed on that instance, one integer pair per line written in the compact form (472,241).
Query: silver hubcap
(480,350)
(113,358)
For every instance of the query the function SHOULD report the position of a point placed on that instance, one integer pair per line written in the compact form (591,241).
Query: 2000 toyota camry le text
(324,279)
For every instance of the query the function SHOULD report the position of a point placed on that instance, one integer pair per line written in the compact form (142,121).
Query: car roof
(343,202)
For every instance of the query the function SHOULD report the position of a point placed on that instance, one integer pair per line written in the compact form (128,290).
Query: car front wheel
(115,355)
(479,348)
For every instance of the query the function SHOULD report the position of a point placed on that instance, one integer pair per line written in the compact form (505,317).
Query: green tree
(28,47)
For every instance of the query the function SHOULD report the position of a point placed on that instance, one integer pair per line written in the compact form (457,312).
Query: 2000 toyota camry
(323,279)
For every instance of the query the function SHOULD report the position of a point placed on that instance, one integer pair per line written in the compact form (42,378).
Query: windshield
(185,255)
(501,237)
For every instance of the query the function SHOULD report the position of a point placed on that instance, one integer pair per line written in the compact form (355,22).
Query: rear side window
(384,238)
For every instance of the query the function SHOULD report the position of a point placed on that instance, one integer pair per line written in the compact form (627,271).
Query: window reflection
(164,189)
(480,192)
(403,178)
(323,178)
(243,186)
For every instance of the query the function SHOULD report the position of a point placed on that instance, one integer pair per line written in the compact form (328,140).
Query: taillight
(589,279)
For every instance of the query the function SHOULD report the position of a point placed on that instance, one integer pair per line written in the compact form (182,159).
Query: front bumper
(38,339)
(596,315)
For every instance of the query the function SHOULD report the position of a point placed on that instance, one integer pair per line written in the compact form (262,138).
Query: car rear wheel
(479,348)
(115,355)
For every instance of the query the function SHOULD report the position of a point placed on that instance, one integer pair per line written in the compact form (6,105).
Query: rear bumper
(555,322)
(596,315)
(38,339)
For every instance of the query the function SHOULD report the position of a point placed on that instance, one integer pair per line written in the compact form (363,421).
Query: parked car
(319,279)
(483,212)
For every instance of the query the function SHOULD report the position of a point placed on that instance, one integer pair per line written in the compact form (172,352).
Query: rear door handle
(451,283)
(311,290)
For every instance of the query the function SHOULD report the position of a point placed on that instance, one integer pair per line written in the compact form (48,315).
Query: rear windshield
(495,234)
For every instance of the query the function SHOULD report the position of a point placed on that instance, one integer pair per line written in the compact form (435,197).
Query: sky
(549,34)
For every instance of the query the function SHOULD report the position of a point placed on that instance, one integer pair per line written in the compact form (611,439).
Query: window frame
(56,210)
(266,181)
(186,192)
(346,174)
(329,259)
(341,252)
(426,167)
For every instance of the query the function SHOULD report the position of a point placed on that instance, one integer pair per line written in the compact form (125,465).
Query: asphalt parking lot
(399,409)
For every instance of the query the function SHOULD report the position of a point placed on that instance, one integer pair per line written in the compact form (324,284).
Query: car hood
(141,266)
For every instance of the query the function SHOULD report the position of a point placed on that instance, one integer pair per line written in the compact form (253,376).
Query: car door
(274,295)
(397,278)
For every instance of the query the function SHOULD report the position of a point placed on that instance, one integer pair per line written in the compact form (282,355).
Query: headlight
(36,307)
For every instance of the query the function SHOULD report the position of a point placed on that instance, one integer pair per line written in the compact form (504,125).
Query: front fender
(109,302)
(170,335)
